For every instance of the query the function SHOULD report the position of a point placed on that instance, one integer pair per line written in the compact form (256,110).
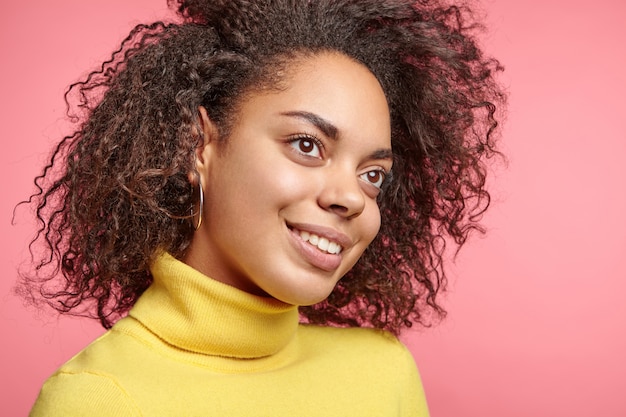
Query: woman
(256,163)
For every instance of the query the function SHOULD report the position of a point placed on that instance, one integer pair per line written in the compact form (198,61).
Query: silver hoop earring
(200,206)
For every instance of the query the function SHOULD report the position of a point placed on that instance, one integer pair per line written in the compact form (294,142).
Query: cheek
(286,182)
(257,186)
(370,223)
(375,222)
(369,226)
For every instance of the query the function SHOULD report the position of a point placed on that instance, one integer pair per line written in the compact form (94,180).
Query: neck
(196,313)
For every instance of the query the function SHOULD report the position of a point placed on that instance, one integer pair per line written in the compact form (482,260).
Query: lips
(320,246)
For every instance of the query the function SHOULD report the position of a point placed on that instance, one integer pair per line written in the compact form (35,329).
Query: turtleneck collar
(196,313)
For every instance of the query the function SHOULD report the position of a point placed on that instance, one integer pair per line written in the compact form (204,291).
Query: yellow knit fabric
(192,346)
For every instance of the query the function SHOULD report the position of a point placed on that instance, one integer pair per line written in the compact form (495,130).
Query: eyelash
(380,171)
(299,139)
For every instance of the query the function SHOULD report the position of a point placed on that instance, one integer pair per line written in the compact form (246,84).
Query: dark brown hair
(116,193)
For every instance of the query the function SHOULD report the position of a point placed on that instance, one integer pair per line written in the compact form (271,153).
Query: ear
(210,136)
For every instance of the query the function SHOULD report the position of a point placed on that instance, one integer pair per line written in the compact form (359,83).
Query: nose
(342,194)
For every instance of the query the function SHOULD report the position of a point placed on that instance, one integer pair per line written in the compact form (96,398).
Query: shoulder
(87,383)
(112,353)
(82,393)
(376,348)
(375,362)
(354,339)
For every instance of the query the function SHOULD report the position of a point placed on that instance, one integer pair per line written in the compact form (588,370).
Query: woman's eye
(375,177)
(307,146)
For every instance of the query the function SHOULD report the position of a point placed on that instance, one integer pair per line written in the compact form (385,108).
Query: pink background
(537,323)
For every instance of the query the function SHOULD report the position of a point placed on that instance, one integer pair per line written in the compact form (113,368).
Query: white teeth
(322,243)
(333,247)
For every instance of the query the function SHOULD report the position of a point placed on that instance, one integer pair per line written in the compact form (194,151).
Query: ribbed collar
(193,312)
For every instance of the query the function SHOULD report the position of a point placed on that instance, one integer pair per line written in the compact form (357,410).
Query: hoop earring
(200,206)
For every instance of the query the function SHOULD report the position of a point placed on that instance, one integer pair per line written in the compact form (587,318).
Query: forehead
(330,85)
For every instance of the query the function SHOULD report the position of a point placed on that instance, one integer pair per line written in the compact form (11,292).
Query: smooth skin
(308,158)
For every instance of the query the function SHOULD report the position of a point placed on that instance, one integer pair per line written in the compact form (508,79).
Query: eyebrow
(322,124)
(382,154)
(331,130)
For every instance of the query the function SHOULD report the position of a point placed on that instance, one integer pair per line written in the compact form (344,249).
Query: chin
(302,296)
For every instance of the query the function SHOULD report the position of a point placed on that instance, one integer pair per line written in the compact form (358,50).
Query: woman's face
(290,199)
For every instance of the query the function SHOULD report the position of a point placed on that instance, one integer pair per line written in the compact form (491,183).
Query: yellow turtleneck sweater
(192,346)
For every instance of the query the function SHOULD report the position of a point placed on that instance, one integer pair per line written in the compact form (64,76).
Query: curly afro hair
(116,193)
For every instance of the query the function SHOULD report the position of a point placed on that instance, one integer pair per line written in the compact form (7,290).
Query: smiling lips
(321,243)
(320,246)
